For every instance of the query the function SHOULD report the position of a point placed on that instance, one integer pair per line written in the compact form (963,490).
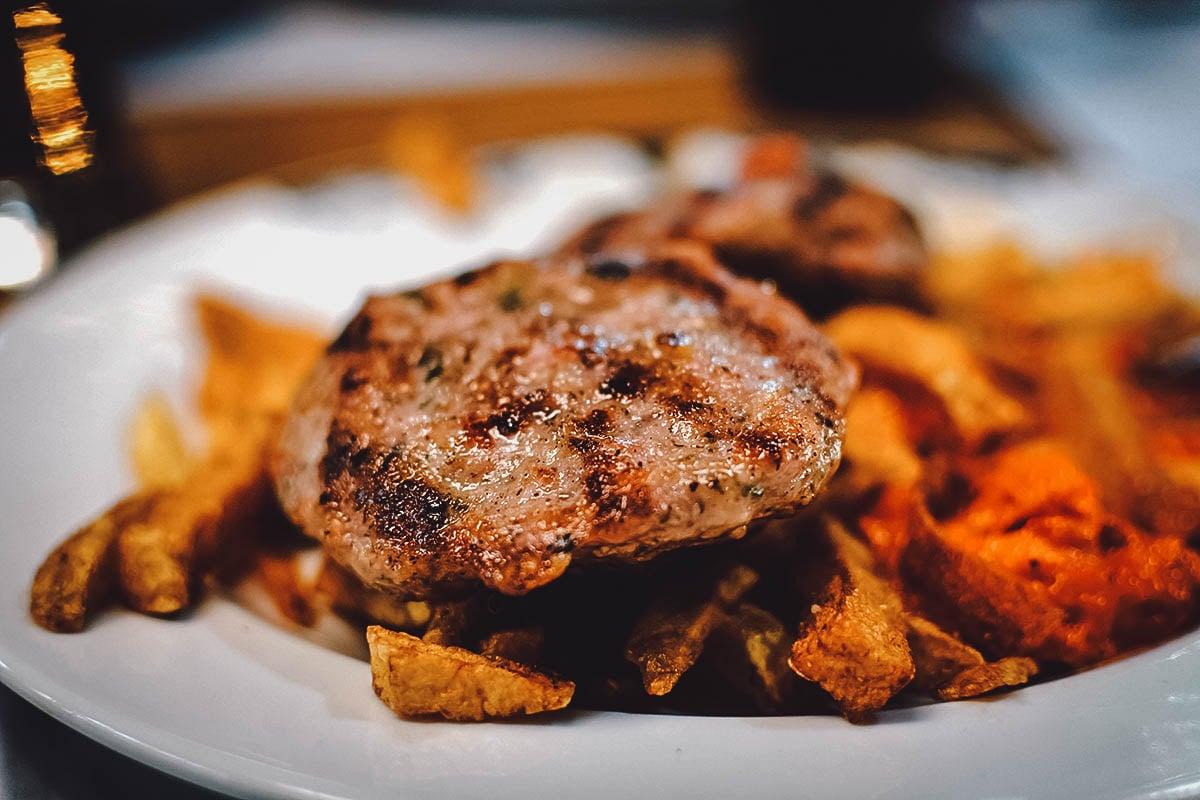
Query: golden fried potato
(1087,405)
(668,638)
(953,670)
(523,645)
(877,448)
(415,678)
(72,580)
(991,609)
(1093,292)
(896,342)
(1036,522)
(161,554)
(253,369)
(984,678)
(964,285)
(348,597)
(853,642)
(165,539)
(160,457)
(755,648)
(290,594)
(426,149)
(939,656)
(454,622)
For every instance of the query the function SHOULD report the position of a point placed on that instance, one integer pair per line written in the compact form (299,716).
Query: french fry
(963,286)
(1092,293)
(853,641)
(886,527)
(71,582)
(252,369)
(160,457)
(1089,408)
(416,678)
(160,556)
(668,638)
(932,354)
(164,539)
(1036,540)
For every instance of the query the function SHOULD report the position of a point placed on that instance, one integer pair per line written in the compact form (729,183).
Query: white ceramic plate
(231,702)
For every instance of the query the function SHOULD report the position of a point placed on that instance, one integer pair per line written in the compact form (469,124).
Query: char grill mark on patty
(828,188)
(510,418)
(445,442)
(823,240)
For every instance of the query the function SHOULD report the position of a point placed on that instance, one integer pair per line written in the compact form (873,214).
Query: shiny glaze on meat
(491,428)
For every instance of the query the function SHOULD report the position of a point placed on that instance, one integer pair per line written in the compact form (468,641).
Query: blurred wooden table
(202,118)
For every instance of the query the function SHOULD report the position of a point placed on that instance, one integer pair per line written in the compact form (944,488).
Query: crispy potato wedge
(1036,522)
(166,538)
(939,656)
(160,555)
(932,354)
(984,678)
(73,579)
(416,678)
(1089,408)
(348,597)
(886,527)
(1092,292)
(156,446)
(253,368)
(523,645)
(455,622)
(991,609)
(876,447)
(964,285)
(853,642)
(953,670)
(668,638)
(755,646)
(290,594)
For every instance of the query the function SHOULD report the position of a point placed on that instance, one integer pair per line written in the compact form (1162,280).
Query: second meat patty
(491,428)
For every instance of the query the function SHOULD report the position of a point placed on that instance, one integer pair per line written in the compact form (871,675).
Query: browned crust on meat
(823,240)
(491,428)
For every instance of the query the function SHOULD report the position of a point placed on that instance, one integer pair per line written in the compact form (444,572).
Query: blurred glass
(29,251)
(61,136)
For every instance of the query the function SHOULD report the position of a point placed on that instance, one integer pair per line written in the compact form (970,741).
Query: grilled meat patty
(825,241)
(491,428)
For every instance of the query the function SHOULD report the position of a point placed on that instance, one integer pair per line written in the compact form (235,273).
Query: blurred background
(110,109)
